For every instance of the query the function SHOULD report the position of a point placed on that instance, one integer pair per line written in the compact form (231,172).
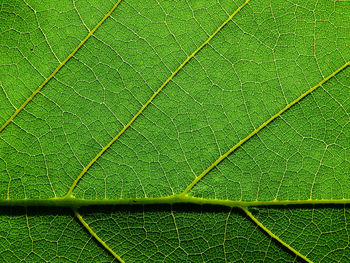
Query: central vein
(166,200)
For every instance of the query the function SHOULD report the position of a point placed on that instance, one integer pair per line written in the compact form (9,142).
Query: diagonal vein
(271,234)
(88,228)
(31,97)
(151,99)
(241,142)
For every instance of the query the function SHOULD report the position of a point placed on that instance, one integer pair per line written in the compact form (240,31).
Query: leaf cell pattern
(200,120)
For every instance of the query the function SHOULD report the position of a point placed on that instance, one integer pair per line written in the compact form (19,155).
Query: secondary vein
(271,234)
(86,168)
(241,142)
(31,97)
(88,228)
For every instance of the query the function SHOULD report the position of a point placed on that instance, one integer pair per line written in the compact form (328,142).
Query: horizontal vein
(88,228)
(256,221)
(222,157)
(173,199)
(58,68)
(151,99)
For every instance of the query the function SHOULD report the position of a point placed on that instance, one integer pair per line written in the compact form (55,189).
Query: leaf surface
(226,103)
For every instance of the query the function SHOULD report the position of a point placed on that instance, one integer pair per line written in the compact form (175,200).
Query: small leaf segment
(64,62)
(86,168)
(241,142)
(86,225)
(258,223)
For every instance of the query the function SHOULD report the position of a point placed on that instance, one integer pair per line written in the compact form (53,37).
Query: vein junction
(263,125)
(70,201)
(86,168)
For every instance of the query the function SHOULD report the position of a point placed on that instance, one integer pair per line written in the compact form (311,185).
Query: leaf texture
(205,114)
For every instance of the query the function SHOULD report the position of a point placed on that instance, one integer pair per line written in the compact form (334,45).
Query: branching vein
(241,142)
(75,203)
(152,98)
(267,231)
(69,201)
(88,228)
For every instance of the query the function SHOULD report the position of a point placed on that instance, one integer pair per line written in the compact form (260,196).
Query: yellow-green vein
(241,142)
(256,221)
(58,68)
(88,228)
(86,168)
(75,203)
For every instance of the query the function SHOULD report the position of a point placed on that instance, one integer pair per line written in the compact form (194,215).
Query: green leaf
(201,131)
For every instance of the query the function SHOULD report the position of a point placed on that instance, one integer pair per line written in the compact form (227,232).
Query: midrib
(72,202)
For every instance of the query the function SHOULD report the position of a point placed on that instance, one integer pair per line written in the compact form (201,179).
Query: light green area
(266,57)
